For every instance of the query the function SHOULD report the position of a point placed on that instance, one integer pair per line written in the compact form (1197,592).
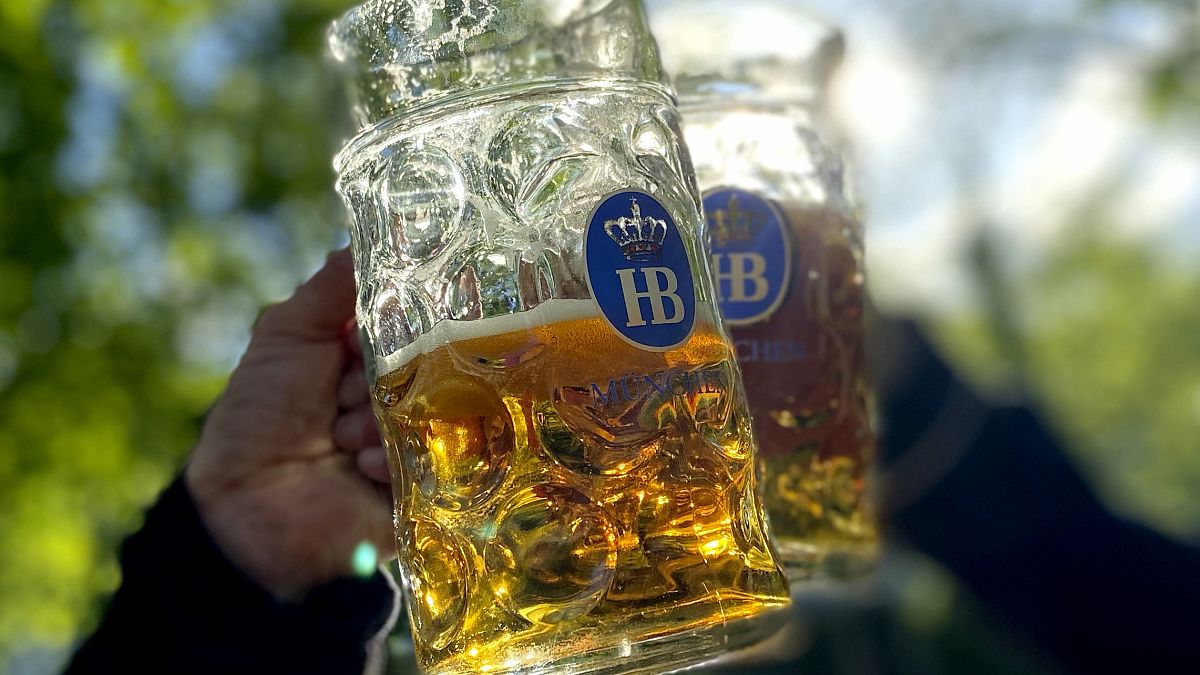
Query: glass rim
(340,28)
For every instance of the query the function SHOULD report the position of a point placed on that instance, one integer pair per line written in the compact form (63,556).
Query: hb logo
(639,272)
(751,254)
(641,240)
(661,284)
(744,274)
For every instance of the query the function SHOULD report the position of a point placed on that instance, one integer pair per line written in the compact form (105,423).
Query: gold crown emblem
(734,224)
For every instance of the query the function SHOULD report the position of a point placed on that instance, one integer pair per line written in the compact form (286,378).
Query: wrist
(201,604)
(230,519)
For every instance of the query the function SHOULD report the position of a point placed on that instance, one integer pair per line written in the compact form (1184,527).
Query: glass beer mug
(569,443)
(787,255)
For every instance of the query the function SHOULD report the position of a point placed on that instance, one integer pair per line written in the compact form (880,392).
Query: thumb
(320,308)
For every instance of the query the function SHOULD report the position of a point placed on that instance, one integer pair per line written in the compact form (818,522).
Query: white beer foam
(448,330)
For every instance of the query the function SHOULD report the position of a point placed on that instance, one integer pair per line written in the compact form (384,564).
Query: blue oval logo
(639,273)
(751,254)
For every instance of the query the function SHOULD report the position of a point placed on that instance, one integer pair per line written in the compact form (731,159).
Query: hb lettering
(745,276)
(661,285)
(639,272)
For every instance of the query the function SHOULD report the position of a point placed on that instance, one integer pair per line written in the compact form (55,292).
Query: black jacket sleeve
(992,494)
(184,608)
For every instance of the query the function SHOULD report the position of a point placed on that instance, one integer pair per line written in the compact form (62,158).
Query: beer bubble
(357,188)
(749,532)
(533,155)
(391,390)
(401,315)
(579,437)
(437,576)
(425,195)
(418,467)
(635,507)
(724,426)
(651,137)
(468,445)
(711,403)
(548,165)
(733,440)
(387,398)
(669,539)
(553,555)
(505,357)
(485,287)
(655,145)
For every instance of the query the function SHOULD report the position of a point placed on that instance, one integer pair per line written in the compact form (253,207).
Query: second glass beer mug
(569,443)
(787,254)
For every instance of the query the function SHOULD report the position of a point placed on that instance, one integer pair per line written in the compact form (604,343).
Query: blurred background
(1030,169)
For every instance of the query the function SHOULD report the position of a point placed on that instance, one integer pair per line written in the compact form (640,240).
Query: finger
(372,462)
(320,308)
(353,340)
(355,430)
(352,390)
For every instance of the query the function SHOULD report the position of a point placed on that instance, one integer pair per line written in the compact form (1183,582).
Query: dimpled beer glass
(787,255)
(569,443)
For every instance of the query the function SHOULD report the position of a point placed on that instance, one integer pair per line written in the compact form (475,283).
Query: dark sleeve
(992,494)
(184,608)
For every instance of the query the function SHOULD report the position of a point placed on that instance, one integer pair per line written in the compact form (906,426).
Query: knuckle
(270,318)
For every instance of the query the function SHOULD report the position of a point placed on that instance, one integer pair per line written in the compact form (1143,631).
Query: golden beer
(563,493)
(570,449)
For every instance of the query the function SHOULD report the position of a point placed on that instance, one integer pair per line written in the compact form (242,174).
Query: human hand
(280,475)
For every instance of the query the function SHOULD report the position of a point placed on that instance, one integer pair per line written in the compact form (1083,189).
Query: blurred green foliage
(1101,331)
(1105,341)
(165,171)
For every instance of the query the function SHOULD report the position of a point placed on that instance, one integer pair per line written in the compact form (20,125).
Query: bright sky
(1030,129)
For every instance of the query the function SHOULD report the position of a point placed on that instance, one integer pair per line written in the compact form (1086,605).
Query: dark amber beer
(803,365)
(787,259)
